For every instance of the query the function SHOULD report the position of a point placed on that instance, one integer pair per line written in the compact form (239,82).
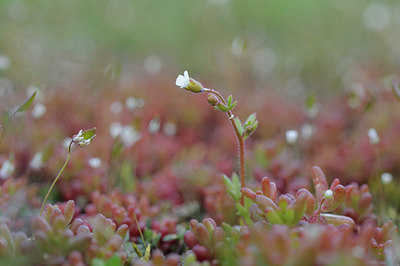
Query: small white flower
(5,62)
(7,169)
(307,130)
(116,107)
(373,136)
(38,110)
(37,161)
(80,139)
(386,178)
(291,136)
(132,103)
(95,162)
(328,194)
(169,129)
(154,126)
(183,81)
(129,136)
(66,142)
(115,129)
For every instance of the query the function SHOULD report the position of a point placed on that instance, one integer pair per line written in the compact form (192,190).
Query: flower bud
(212,99)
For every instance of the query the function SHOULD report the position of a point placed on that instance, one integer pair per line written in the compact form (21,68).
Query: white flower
(328,194)
(80,139)
(7,169)
(116,107)
(115,129)
(129,136)
(154,126)
(373,136)
(386,178)
(66,142)
(291,136)
(5,62)
(132,103)
(37,161)
(307,130)
(38,110)
(183,81)
(169,129)
(95,162)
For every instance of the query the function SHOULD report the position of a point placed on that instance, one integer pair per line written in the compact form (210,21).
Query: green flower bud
(212,99)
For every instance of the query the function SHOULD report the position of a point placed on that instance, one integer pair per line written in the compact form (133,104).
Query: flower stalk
(83,138)
(215,98)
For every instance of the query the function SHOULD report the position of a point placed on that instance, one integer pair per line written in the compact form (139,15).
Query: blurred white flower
(386,178)
(291,136)
(116,107)
(183,81)
(328,194)
(307,130)
(133,103)
(129,136)
(38,110)
(37,161)
(6,169)
(115,129)
(237,46)
(95,162)
(373,136)
(377,16)
(152,64)
(169,129)
(4,62)
(154,126)
(66,142)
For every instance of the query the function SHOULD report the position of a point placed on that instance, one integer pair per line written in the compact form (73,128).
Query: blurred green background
(283,45)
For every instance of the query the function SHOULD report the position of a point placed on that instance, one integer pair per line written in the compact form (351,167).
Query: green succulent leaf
(170,237)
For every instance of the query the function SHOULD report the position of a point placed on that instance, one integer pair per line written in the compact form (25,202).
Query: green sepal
(89,133)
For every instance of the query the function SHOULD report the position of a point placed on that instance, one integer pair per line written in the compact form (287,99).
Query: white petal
(180,81)
(186,74)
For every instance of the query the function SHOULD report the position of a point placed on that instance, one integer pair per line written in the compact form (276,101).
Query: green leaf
(25,106)
(231,106)
(229,100)
(239,125)
(222,107)
(250,120)
(396,90)
(47,152)
(137,250)
(310,101)
(170,237)
(6,118)
(115,260)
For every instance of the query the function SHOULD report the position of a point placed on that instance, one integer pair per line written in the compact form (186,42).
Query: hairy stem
(55,180)
(239,139)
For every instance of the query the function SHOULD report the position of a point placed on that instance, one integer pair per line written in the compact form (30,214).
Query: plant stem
(55,180)
(239,139)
